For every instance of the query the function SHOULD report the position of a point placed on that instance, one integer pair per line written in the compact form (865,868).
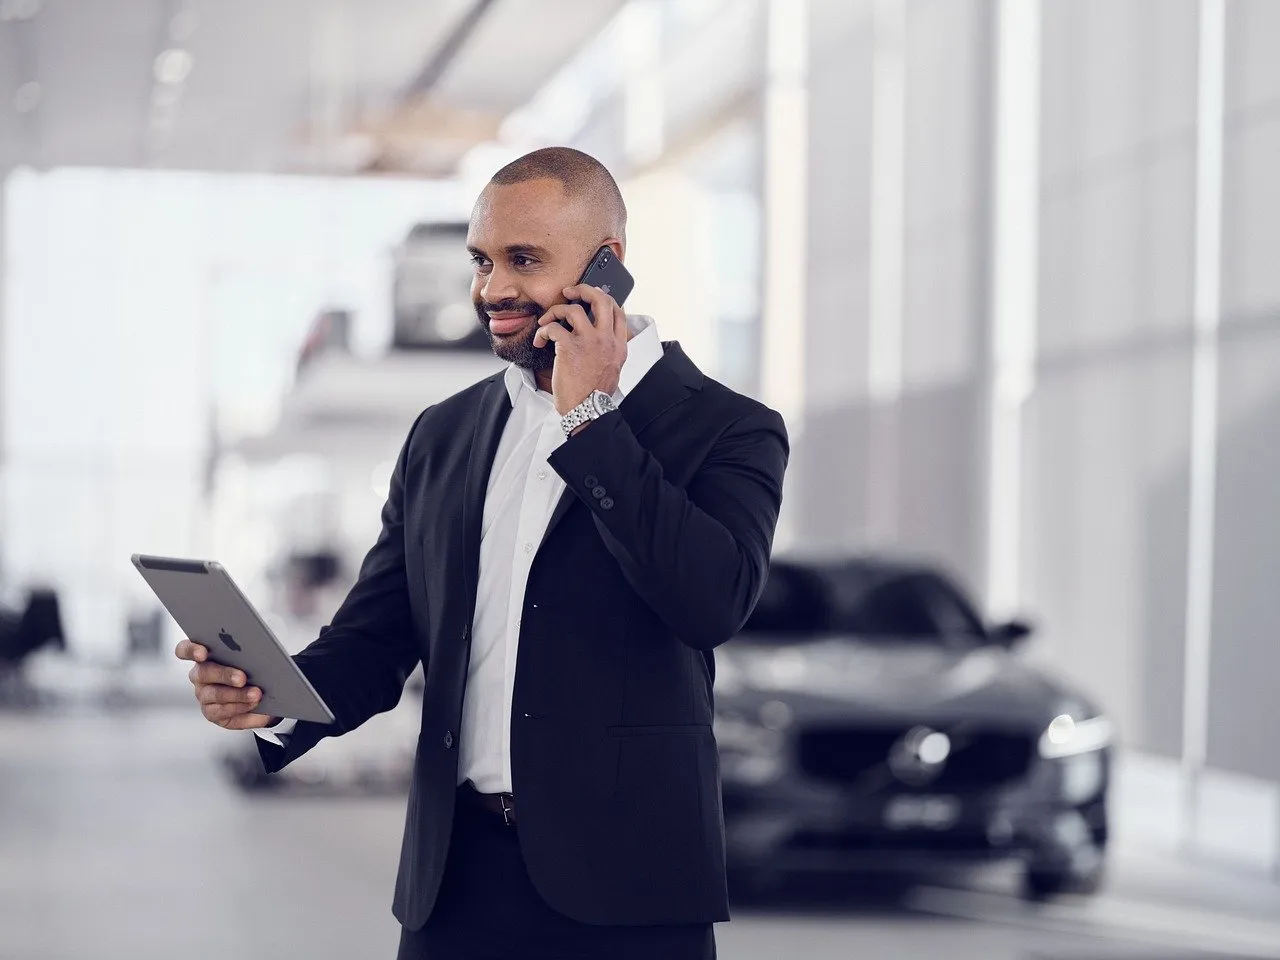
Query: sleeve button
(606,503)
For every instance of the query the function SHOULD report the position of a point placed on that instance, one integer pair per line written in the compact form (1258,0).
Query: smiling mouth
(503,324)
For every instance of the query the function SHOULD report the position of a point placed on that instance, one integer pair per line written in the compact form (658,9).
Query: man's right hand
(221,692)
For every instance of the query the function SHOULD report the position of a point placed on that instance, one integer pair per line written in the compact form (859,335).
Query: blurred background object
(432,290)
(22,634)
(1004,265)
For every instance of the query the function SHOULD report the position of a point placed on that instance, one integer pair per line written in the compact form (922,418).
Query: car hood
(842,678)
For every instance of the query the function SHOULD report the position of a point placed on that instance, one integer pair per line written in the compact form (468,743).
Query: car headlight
(1068,737)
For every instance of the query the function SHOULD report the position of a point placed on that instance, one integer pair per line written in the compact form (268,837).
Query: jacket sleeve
(697,555)
(361,660)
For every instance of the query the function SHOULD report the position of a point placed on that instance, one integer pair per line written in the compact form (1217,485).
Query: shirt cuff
(273,734)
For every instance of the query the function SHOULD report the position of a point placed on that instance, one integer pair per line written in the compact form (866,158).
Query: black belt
(500,804)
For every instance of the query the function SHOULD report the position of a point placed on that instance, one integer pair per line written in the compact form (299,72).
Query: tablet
(201,596)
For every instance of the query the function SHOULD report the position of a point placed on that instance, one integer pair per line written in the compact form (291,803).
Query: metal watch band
(583,412)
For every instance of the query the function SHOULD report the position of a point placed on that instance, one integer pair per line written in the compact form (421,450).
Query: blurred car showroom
(1006,267)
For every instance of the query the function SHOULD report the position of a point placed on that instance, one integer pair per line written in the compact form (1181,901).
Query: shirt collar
(644,349)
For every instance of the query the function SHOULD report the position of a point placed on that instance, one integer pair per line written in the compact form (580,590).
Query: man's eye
(478,261)
(523,261)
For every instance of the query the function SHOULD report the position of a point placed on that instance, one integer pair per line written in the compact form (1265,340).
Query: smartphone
(607,272)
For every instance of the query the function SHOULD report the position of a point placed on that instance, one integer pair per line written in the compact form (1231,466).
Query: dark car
(868,718)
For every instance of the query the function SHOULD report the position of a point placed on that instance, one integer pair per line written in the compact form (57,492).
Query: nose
(499,285)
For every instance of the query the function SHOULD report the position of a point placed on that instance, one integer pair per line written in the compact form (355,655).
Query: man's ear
(619,248)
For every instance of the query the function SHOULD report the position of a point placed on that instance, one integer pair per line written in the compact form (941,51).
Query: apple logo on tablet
(228,639)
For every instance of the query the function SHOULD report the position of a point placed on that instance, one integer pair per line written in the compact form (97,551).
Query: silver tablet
(201,596)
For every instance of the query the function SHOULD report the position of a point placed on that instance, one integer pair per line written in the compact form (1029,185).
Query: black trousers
(488,909)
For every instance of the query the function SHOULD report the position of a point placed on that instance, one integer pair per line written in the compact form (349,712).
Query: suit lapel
(668,382)
(491,417)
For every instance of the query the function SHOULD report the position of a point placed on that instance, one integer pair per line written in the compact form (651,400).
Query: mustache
(511,306)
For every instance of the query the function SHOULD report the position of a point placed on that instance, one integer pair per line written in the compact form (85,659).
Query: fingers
(219,706)
(190,650)
(203,673)
(222,692)
(575,313)
(601,304)
(249,721)
(217,693)
(234,716)
(551,332)
(549,329)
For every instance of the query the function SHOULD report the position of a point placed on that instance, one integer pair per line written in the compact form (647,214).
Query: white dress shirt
(520,497)
(522,494)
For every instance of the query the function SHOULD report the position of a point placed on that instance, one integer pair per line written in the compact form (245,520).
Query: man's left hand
(590,356)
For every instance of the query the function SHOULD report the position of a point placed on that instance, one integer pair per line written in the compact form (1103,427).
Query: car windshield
(872,604)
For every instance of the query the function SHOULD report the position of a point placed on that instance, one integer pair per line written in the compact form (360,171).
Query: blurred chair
(39,625)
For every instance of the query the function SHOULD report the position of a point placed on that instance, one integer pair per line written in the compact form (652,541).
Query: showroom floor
(120,836)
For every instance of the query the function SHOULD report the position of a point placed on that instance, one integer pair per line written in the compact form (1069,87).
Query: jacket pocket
(661,730)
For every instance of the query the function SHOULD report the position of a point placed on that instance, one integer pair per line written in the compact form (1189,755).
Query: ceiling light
(173,65)
(27,97)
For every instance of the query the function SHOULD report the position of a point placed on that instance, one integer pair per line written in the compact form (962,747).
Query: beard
(517,348)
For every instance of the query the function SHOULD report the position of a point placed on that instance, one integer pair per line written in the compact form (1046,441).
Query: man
(563,574)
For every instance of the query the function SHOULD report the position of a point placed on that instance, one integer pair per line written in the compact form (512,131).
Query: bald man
(563,547)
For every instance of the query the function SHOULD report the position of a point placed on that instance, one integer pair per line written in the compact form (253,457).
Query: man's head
(534,229)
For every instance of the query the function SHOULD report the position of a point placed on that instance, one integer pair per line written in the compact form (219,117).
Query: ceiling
(322,86)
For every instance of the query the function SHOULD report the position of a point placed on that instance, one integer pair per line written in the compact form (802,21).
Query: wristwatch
(596,405)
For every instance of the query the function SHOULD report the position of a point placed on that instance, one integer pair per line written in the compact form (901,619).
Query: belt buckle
(508,808)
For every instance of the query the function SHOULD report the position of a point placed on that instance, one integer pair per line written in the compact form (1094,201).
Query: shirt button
(448,740)
(528,547)
(519,620)
(542,474)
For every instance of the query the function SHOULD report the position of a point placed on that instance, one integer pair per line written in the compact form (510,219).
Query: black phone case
(607,272)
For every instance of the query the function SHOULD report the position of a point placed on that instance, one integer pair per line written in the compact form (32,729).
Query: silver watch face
(603,402)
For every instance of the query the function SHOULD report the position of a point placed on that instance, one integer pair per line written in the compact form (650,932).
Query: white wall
(136,302)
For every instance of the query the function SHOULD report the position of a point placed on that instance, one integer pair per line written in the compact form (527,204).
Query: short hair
(580,174)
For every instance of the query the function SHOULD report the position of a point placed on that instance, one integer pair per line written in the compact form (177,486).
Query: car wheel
(1042,883)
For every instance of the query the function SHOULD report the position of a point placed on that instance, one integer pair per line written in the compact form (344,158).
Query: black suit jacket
(655,554)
